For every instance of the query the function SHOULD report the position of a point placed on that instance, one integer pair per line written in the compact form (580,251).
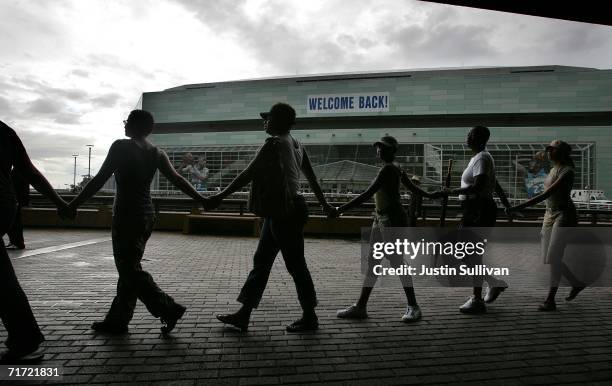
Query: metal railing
(238,203)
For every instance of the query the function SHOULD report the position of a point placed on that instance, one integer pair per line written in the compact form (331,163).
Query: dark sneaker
(14,247)
(573,293)
(547,306)
(353,312)
(494,292)
(413,314)
(474,305)
(22,358)
(303,324)
(109,328)
(170,321)
(236,320)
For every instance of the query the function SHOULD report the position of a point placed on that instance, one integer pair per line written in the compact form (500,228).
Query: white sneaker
(353,312)
(413,313)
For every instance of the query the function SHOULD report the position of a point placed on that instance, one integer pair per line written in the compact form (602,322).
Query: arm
(24,166)
(502,194)
(165,167)
(546,193)
(106,171)
(413,188)
(241,180)
(312,181)
(369,192)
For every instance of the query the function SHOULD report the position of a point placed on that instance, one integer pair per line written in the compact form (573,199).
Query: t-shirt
(12,155)
(481,163)
(136,166)
(388,196)
(560,201)
(291,155)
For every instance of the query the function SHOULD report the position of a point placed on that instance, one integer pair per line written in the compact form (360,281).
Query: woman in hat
(389,213)
(560,212)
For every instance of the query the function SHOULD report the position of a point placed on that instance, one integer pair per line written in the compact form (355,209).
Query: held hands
(330,211)
(211,202)
(66,211)
(445,192)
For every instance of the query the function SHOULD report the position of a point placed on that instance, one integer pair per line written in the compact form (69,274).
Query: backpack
(269,195)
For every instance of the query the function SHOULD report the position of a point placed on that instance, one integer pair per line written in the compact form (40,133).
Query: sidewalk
(513,343)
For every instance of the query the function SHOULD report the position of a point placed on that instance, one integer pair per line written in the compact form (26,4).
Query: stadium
(429,111)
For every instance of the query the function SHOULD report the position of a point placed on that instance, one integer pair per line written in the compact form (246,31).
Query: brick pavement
(512,344)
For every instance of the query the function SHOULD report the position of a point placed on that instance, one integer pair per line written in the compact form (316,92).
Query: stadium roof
(404,73)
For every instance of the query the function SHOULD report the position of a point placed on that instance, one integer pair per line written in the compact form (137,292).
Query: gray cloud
(106,100)
(80,72)
(5,107)
(50,107)
(271,37)
(407,34)
(443,42)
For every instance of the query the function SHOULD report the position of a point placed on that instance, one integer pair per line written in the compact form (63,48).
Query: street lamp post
(74,175)
(89,163)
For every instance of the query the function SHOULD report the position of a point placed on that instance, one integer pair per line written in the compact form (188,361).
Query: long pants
(15,233)
(482,213)
(284,235)
(553,243)
(23,332)
(130,235)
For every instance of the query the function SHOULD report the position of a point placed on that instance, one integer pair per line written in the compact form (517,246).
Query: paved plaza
(70,278)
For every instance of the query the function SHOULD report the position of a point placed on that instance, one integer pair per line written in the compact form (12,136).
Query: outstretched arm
(415,189)
(24,166)
(502,194)
(367,194)
(241,180)
(106,171)
(312,181)
(558,184)
(166,168)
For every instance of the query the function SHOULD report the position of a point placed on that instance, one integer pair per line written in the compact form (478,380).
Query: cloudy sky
(71,70)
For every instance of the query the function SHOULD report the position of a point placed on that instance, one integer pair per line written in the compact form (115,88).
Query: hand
(329,210)
(212,202)
(441,193)
(333,212)
(66,211)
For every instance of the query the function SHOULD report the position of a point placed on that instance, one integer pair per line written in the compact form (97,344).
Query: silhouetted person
(134,162)
(22,192)
(281,158)
(389,213)
(478,183)
(24,335)
(560,212)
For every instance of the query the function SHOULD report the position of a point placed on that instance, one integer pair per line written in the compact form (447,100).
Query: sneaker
(353,312)
(108,328)
(12,357)
(573,293)
(413,313)
(14,247)
(494,292)
(170,321)
(303,324)
(235,320)
(473,305)
(547,306)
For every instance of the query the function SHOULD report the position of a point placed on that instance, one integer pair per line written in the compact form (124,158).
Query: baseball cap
(388,141)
